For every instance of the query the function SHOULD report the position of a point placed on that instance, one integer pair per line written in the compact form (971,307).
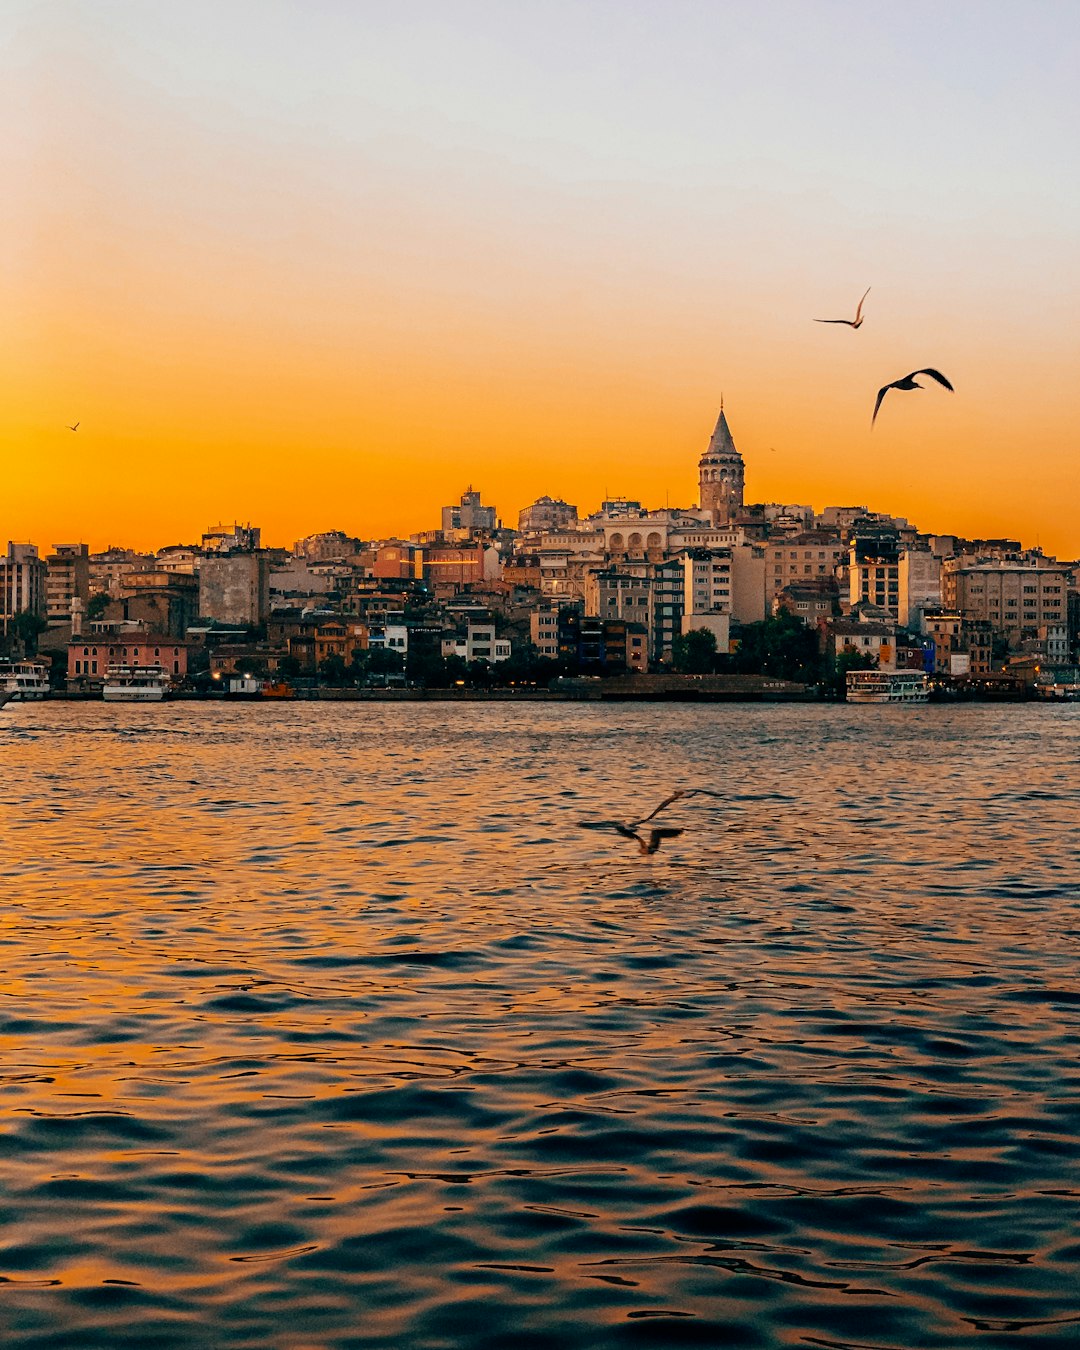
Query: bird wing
(934,375)
(701,792)
(679,792)
(847,321)
(615,826)
(657,833)
(858,312)
(880,395)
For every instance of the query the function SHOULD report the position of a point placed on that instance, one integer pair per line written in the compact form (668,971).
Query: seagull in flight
(908,382)
(856,322)
(75,427)
(649,841)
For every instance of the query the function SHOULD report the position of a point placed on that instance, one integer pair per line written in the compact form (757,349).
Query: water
(326,1027)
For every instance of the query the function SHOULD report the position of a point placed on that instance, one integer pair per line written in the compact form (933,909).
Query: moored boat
(887,686)
(135,684)
(23,680)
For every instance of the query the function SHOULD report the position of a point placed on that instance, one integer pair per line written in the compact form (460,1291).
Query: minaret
(720,475)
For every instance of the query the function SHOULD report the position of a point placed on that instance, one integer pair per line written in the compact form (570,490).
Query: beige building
(67,578)
(107,569)
(874,573)
(919,576)
(805,557)
(1016,597)
(22,583)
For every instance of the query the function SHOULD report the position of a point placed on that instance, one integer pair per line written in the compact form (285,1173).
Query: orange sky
(324,270)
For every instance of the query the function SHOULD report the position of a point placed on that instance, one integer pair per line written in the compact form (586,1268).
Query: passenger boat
(887,686)
(135,684)
(23,680)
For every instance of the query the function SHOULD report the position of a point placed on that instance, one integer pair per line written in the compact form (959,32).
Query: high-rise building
(67,577)
(468,514)
(721,475)
(22,583)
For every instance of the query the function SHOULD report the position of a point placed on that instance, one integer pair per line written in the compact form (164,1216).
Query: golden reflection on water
(334,1013)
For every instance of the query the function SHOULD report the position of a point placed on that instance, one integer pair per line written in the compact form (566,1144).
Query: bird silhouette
(908,382)
(648,842)
(75,427)
(856,322)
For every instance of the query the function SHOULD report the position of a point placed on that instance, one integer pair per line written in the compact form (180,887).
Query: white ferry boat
(135,684)
(887,686)
(23,680)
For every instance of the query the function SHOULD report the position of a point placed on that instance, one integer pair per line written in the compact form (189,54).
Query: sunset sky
(322,265)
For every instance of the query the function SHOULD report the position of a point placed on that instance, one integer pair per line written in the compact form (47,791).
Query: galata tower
(720,475)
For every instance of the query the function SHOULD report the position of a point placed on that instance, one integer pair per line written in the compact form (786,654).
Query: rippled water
(326,1027)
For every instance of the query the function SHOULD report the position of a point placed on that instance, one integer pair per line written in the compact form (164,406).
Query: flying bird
(856,322)
(75,427)
(908,382)
(648,842)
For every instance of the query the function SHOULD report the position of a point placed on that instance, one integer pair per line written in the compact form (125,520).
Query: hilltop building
(468,514)
(721,475)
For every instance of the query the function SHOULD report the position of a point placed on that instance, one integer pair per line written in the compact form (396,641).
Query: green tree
(781,646)
(28,628)
(694,653)
(288,667)
(97,605)
(847,660)
(332,668)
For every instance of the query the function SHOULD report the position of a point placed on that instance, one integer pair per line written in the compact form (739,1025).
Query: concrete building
(874,571)
(547,513)
(235,588)
(477,643)
(802,557)
(1017,597)
(162,602)
(868,639)
(708,586)
(109,567)
(960,647)
(721,475)
(813,600)
(67,578)
(178,558)
(919,577)
(238,538)
(619,594)
(22,583)
(468,514)
(327,546)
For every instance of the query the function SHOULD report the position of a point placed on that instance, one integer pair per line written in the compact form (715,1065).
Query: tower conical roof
(721,443)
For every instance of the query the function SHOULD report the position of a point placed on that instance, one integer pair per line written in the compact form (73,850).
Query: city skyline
(274,259)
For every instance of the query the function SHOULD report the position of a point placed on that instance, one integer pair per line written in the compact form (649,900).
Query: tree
(332,668)
(849,659)
(782,646)
(97,605)
(694,653)
(251,665)
(288,667)
(28,628)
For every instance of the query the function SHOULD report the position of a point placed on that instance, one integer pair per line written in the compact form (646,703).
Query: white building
(478,644)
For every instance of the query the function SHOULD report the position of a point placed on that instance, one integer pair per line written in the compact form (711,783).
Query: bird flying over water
(75,427)
(851,323)
(908,382)
(648,842)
